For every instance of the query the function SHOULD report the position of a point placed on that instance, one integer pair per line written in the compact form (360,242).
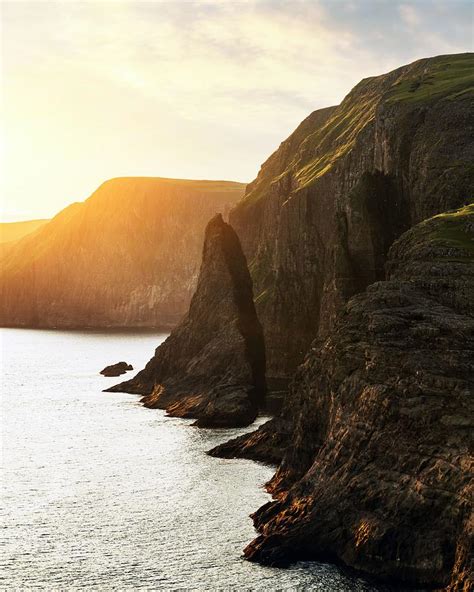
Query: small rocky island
(116,369)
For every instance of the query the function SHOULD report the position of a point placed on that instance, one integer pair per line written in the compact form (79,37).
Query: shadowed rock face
(212,366)
(379,469)
(266,444)
(317,222)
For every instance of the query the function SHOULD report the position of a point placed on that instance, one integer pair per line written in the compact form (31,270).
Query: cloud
(409,15)
(192,88)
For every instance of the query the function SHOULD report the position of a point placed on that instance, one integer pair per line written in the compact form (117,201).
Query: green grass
(336,138)
(443,77)
(450,228)
(447,76)
(262,297)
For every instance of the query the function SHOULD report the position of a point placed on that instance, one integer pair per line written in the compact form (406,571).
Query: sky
(198,90)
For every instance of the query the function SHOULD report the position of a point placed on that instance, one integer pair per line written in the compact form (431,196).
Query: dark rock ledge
(379,469)
(212,366)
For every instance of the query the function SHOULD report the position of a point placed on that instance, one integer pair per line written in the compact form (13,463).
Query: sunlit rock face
(317,222)
(379,471)
(212,366)
(13,231)
(128,256)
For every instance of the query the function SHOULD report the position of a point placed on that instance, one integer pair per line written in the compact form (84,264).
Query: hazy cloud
(196,89)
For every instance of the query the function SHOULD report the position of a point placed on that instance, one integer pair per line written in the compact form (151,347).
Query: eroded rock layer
(379,470)
(212,366)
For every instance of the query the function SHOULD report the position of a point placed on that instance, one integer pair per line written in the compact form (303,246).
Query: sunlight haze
(199,90)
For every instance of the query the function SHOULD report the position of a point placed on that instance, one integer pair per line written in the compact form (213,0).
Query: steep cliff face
(379,469)
(126,257)
(318,220)
(212,366)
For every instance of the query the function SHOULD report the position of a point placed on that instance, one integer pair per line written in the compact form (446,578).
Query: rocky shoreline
(379,468)
(356,244)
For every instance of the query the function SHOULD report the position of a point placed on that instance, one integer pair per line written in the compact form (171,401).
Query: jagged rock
(128,256)
(267,444)
(379,470)
(116,369)
(212,366)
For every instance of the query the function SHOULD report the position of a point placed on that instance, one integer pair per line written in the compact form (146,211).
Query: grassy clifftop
(436,78)
(332,138)
(447,238)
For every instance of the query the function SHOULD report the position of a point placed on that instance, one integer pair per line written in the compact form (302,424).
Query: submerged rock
(212,366)
(116,369)
(379,469)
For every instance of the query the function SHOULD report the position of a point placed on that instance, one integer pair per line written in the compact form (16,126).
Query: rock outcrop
(212,366)
(379,469)
(317,222)
(267,444)
(116,369)
(128,256)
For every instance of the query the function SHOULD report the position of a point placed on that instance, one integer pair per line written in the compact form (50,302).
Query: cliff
(317,222)
(378,471)
(364,280)
(212,366)
(128,256)
(319,219)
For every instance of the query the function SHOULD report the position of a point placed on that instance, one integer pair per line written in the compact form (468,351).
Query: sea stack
(212,366)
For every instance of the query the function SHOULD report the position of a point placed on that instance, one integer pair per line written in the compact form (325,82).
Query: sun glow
(94,90)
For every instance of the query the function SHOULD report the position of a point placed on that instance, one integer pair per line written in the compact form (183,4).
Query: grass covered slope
(128,256)
(444,76)
(330,136)
(451,231)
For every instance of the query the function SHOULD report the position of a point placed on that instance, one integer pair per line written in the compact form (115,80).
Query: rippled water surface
(101,493)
